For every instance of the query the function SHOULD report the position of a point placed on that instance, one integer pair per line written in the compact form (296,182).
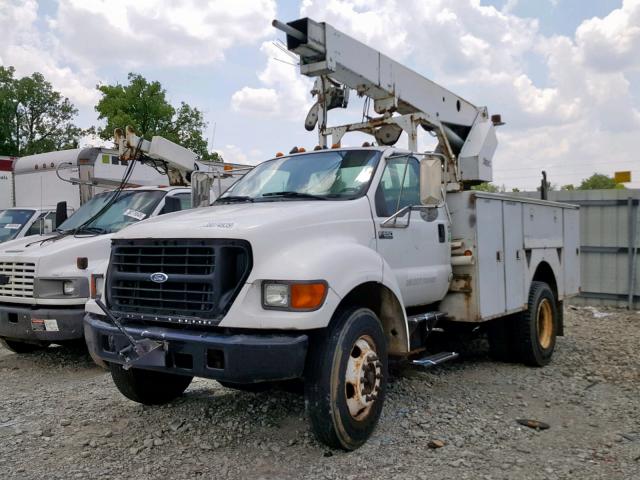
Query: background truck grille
(203,278)
(20,279)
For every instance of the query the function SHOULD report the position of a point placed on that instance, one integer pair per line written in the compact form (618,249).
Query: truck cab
(45,280)
(18,222)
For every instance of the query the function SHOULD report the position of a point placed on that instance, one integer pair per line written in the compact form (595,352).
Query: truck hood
(57,258)
(38,245)
(246,220)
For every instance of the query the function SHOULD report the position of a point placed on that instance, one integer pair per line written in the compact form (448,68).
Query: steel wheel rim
(363,378)
(545,323)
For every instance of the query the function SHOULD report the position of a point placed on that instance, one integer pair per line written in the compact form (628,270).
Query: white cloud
(612,43)
(235,154)
(284,93)
(158,32)
(27,49)
(83,37)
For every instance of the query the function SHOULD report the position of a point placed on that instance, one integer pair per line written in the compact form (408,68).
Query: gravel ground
(61,417)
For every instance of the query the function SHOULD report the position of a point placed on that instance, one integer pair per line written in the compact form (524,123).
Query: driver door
(416,245)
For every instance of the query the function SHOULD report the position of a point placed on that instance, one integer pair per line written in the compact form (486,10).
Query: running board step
(436,359)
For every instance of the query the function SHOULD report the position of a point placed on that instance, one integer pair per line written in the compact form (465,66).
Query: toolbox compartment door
(491,279)
(514,257)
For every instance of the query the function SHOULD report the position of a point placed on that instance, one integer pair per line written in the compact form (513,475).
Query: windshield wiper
(292,194)
(88,229)
(235,198)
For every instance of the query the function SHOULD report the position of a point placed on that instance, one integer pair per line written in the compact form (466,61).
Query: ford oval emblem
(159,277)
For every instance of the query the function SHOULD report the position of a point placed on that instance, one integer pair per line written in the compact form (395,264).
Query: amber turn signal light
(307,296)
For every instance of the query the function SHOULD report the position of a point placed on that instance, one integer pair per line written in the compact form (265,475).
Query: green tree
(486,187)
(568,187)
(34,118)
(144,106)
(598,181)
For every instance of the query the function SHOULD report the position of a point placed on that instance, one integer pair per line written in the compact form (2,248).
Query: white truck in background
(45,280)
(6,181)
(323,265)
(37,195)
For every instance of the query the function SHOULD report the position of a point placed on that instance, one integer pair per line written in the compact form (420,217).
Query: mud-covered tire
(148,387)
(535,330)
(17,346)
(340,403)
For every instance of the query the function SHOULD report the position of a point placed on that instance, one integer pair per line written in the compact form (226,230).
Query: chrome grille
(19,278)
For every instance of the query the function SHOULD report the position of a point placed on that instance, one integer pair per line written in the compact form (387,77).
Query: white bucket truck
(321,266)
(38,193)
(46,280)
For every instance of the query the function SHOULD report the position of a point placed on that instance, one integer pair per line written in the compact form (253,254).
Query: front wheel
(148,387)
(346,378)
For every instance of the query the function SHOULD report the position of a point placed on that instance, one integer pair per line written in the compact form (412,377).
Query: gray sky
(564,74)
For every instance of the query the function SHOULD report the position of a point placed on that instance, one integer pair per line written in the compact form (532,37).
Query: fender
(550,257)
(343,264)
(346,266)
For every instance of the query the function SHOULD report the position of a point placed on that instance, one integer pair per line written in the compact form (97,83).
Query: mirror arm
(409,208)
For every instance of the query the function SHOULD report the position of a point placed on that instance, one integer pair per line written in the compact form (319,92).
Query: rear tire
(148,387)
(17,346)
(536,329)
(346,379)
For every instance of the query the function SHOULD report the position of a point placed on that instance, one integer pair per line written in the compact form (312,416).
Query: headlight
(276,295)
(293,295)
(61,288)
(68,288)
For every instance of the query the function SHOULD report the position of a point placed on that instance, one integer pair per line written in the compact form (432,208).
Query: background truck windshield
(130,207)
(12,221)
(328,174)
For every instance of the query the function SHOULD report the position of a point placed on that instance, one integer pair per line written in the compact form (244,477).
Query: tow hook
(152,351)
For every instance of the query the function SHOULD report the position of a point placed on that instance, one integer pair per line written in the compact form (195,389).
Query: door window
(185,202)
(45,223)
(399,186)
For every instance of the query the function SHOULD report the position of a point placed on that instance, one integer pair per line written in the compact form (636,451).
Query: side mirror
(61,213)
(171,204)
(201,185)
(47,225)
(431,181)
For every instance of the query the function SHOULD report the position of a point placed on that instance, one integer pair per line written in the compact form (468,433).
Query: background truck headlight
(68,287)
(293,295)
(61,288)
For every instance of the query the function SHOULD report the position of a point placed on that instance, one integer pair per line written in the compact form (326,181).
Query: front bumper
(41,324)
(235,358)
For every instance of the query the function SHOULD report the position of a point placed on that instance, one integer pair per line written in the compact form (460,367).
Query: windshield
(12,221)
(327,174)
(130,207)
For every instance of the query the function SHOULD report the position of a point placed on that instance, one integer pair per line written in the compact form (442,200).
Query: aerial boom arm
(466,133)
(179,161)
